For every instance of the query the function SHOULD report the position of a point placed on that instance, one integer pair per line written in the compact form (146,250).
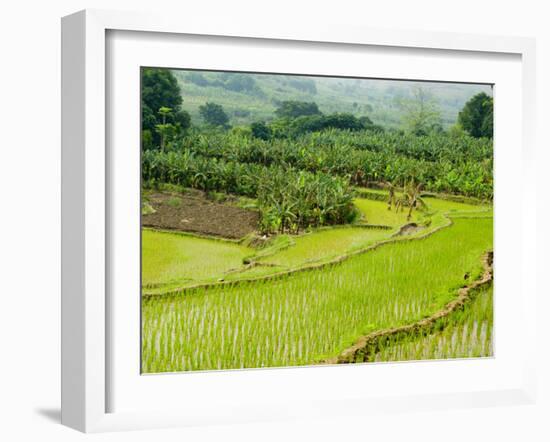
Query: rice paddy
(172,259)
(377,213)
(466,334)
(305,317)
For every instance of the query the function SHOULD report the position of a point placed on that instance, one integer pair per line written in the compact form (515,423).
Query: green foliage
(160,92)
(477,116)
(442,163)
(293,201)
(146,139)
(242,132)
(294,109)
(293,127)
(159,88)
(289,200)
(214,115)
(261,130)
(316,123)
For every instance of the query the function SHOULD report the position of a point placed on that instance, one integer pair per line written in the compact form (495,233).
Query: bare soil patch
(193,212)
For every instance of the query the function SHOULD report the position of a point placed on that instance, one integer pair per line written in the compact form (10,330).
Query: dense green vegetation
(214,115)
(161,115)
(442,163)
(288,199)
(477,116)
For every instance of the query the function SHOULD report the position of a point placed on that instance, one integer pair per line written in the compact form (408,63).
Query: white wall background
(30,215)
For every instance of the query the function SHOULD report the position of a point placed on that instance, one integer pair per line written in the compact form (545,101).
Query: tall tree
(164,129)
(476,117)
(160,89)
(422,113)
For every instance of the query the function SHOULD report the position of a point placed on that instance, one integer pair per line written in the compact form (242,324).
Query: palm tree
(164,129)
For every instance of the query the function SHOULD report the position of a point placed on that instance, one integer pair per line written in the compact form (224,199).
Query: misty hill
(254,97)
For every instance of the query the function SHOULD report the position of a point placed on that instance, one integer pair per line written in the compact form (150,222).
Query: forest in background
(250,97)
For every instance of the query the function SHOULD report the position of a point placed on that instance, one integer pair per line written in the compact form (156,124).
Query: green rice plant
(280,253)
(172,259)
(309,316)
(322,245)
(465,334)
(375,212)
(453,207)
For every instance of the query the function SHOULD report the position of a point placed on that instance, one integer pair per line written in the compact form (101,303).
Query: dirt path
(366,347)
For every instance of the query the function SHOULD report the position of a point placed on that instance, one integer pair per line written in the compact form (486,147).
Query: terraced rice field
(310,315)
(173,259)
(467,334)
(377,213)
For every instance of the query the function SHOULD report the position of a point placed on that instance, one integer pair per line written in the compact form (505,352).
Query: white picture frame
(86,352)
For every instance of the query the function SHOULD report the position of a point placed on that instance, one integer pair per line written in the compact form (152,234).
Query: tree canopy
(261,130)
(161,114)
(476,117)
(295,109)
(214,115)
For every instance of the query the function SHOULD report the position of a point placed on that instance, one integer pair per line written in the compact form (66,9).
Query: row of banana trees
(290,202)
(441,162)
(433,148)
(289,199)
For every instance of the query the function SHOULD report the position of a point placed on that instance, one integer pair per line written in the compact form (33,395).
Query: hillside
(254,97)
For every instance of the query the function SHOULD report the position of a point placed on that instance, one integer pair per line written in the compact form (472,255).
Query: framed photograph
(265,224)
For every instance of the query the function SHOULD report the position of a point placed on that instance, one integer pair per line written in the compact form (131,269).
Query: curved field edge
(270,264)
(366,347)
(445,222)
(312,316)
(467,333)
(164,255)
